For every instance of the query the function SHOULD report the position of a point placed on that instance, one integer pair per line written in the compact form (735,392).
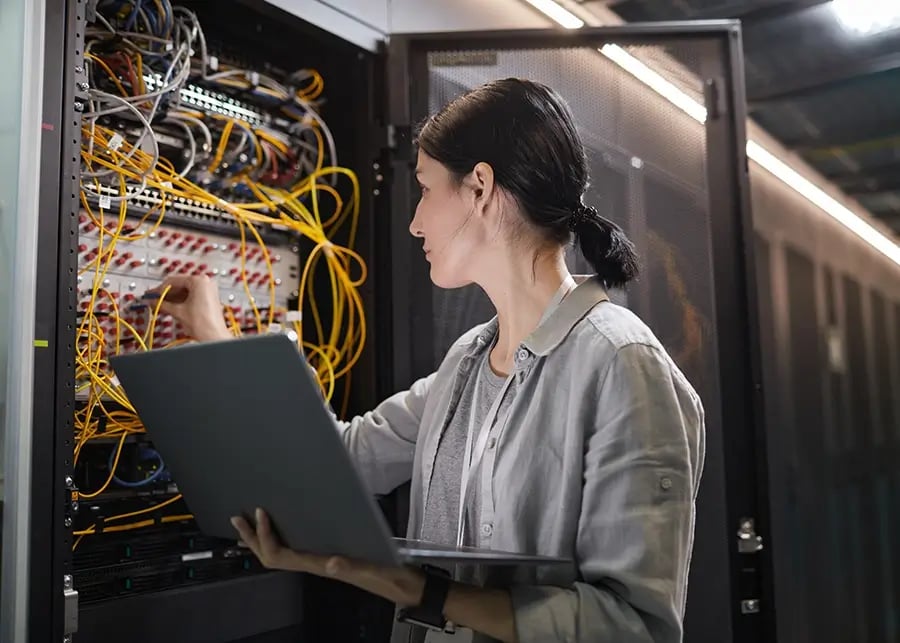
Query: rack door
(661,109)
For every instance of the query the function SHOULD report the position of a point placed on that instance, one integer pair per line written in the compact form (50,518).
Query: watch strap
(430,610)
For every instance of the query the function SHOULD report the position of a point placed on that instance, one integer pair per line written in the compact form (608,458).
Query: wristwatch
(429,613)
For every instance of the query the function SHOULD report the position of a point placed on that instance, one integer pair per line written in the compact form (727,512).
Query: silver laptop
(241,424)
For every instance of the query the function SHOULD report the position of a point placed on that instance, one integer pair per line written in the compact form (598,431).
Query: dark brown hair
(526,133)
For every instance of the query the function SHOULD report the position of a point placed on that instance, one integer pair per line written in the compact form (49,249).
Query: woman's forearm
(488,611)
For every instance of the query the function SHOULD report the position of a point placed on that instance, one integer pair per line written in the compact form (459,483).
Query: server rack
(729,582)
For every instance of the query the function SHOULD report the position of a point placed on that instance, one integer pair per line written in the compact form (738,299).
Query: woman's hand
(400,585)
(194,301)
(484,610)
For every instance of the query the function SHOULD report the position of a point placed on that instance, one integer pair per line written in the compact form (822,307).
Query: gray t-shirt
(441,514)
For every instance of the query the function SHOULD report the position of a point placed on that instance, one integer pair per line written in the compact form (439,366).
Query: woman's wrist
(409,585)
(484,610)
(489,611)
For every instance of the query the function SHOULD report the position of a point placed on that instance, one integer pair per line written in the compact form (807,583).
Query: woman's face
(445,221)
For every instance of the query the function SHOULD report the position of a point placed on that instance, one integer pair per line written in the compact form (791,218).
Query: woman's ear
(483,186)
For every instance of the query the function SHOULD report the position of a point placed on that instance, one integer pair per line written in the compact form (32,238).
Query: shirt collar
(551,333)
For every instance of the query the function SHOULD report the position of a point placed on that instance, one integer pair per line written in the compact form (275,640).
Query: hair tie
(581,214)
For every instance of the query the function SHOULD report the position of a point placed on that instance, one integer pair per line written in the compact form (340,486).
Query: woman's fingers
(247,534)
(266,546)
(193,300)
(268,542)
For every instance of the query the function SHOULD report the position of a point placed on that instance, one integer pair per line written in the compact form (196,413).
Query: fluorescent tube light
(759,154)
(656,82)
(825,201)
(557,13)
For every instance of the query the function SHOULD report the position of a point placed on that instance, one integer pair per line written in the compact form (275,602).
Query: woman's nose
(414,228)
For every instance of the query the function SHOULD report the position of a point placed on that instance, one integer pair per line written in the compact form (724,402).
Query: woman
(593,440)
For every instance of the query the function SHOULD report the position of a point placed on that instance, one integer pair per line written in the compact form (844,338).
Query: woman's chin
(447,280)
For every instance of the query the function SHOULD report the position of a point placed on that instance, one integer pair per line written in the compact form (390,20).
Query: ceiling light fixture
(557,13)
(867,16)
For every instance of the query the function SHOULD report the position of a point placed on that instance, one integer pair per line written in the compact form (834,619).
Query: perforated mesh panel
(648,166)
(648,172)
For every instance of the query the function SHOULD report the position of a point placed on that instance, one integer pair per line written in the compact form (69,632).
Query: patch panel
(142,257)
(190,213)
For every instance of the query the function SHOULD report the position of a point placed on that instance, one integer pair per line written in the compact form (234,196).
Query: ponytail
(605,246)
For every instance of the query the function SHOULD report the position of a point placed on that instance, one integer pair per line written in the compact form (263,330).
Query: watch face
(438,624)
(415,621)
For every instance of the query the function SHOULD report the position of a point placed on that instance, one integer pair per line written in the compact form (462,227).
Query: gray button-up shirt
(598,459)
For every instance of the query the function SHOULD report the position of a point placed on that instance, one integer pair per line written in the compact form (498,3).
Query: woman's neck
(521,290)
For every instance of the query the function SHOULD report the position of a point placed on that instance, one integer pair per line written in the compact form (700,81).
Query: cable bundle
(267,161)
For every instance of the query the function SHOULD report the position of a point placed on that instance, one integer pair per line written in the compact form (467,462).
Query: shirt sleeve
(643,455)
(382,442)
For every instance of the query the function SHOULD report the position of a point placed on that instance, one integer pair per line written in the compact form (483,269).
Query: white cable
(155,153)
(207,135)
(198,33)
(137,113)
(325,130)
(191,141)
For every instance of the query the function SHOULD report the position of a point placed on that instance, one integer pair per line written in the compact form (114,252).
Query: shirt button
(487,529)
(492,443)
(665,483)
(521,354)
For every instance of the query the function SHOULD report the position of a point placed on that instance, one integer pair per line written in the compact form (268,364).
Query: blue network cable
(144,454)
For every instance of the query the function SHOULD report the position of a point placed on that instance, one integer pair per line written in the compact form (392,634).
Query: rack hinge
(70,607)
(714,99)
(748,540)
(398,139)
